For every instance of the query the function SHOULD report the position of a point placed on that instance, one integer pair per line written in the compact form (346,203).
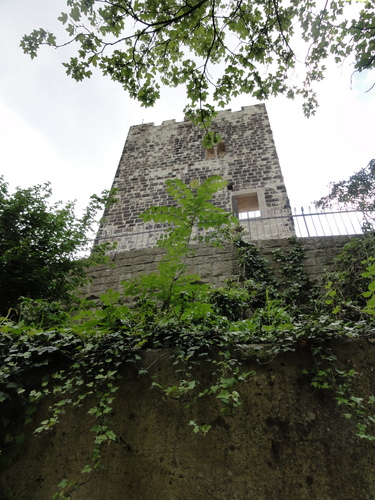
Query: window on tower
(220,148)
(246,206)
(217,151)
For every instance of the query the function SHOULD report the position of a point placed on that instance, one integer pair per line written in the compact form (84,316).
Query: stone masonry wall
(214,265)
(153,154)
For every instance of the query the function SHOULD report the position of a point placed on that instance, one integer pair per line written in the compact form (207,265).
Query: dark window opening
(217,151)
(221,149)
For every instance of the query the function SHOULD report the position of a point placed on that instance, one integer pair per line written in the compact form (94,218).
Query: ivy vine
(78,357)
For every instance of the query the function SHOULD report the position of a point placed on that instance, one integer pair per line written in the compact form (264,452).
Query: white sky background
(72,134)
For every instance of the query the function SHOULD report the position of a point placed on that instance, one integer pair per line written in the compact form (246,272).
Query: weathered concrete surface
(286,442)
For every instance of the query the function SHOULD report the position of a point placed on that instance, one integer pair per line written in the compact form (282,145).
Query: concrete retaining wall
(287,441)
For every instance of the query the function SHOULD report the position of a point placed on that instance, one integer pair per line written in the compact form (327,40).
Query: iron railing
(304,223)
(328,223)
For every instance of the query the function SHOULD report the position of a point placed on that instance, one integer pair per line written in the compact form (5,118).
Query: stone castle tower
(246,157)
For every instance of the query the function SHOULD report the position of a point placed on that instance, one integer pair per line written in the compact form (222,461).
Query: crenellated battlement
(221,113)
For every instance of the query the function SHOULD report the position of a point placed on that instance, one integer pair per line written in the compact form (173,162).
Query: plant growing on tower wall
(171,290)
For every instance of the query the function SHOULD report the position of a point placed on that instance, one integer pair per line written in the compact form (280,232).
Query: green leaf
(75,13)
(63,484)
(63,18)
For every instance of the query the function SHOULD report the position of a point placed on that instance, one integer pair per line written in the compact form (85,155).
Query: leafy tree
(41,245)
(171,288)
(350,276)
(251,45)
(355,193)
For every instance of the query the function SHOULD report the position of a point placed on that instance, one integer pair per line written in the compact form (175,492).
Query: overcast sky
(72,134)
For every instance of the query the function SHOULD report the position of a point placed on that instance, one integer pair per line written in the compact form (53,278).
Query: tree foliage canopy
(41,245)
(255,45)
(355,193)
